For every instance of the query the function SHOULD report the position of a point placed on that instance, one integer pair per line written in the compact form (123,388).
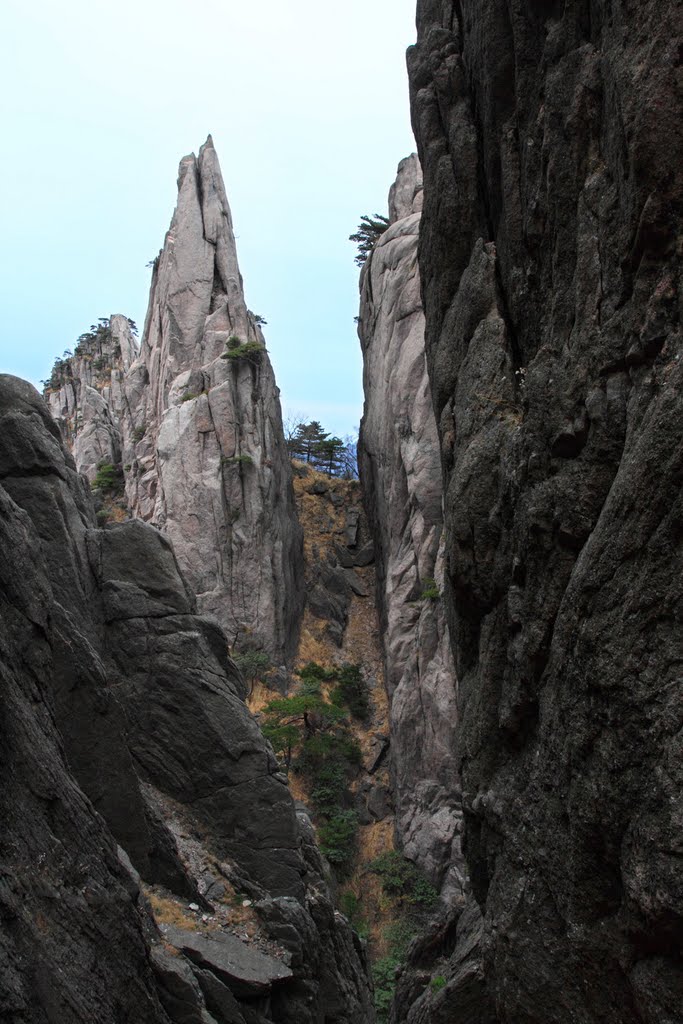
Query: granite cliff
(147,828)
(550,140)
(193,418)
(401,479)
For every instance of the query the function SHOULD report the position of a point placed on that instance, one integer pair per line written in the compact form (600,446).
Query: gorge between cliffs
(288,746)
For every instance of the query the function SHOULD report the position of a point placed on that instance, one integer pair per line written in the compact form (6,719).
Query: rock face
(550,138)
(86,395)
(211,469)
(119,698)
(401,476)
(193,418)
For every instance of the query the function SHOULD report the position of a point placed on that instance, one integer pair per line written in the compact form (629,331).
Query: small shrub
(437,983)
(107,479)
(351,691)
(237,460)
(190,396)
(337,838)
(251,350)
(139,433)
(430,590)
(252,664)
(103,516)
(401,879)
(314,671)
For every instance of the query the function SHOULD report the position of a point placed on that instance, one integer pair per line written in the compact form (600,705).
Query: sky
(308,107)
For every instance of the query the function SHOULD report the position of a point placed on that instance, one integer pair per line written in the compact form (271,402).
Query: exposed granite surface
(550,138)
(401,477)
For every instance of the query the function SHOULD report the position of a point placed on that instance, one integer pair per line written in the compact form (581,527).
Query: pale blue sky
(308,109)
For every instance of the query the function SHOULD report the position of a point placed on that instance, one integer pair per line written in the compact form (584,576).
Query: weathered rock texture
(199,437)
(118,698)
(212,469)
(87,398)
(550,139)
(401,477)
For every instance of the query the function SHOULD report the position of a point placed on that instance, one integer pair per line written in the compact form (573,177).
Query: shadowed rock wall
(550,139)
(118,698)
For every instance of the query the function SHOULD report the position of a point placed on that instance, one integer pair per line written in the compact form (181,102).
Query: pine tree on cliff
(369,230)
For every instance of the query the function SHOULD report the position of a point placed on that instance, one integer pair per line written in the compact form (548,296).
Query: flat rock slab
(247,972)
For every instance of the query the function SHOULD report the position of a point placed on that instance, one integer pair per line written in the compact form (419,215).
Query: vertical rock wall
(118,698)
(204,439)
(401,477)
(550,138)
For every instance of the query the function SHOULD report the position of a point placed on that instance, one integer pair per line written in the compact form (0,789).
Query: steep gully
(548,260)
(219,865)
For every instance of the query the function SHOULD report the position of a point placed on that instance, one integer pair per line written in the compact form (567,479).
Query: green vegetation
(413,897)
(237,460)
(398,937)
(108,478)
(190,395)
(430,590)
(351,692)
(404,882)
(309,443)
(311,736)
(337,838)
(253,665)
(437,983)
(236,349)
(139,433)
(351,907)
(89,345)
(369,230)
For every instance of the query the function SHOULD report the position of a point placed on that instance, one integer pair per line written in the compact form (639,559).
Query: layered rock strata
(401,477)
(194,420)
(120,699)
(550,139)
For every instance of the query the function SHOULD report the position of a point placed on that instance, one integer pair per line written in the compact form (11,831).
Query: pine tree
(369,230)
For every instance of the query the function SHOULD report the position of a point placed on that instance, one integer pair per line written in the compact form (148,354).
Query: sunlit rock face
(401,476)
(88,399)
(204,436)
(550,140)
(198,436)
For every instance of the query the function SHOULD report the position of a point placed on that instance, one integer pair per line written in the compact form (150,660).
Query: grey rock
(399,464)
(351,527)
(552,207)
(246,971)
(66,900)
(179,992)
(199,437)
(344,556)
(365,555)
(218,997)
(213,471)
(356,583)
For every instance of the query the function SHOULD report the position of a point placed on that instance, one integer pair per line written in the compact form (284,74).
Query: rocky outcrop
(193,420)
(86,393)
(120,699)
(204,440)
(401,478)
(65,899)
(550,139)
